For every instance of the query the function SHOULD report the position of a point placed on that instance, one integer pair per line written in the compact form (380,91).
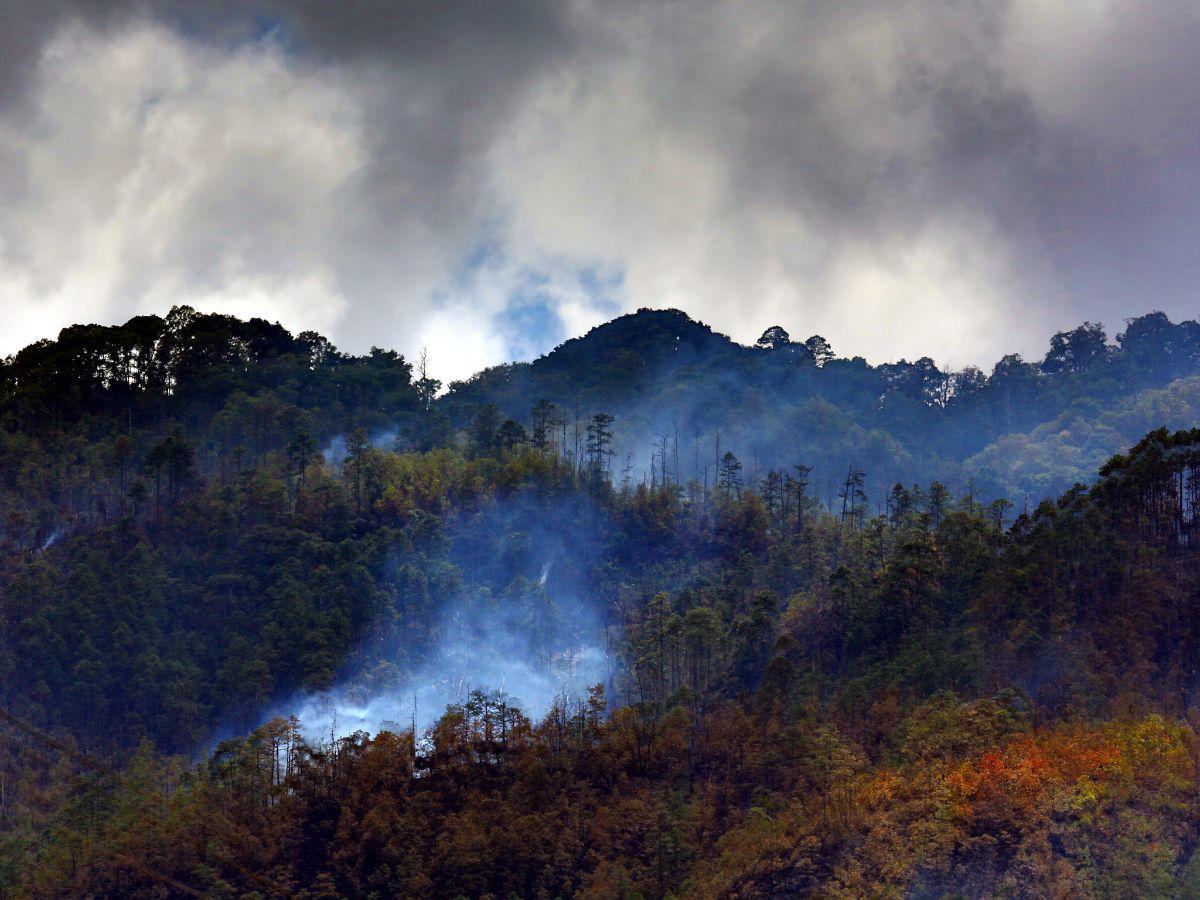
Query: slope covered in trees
(666,376)
(912,691)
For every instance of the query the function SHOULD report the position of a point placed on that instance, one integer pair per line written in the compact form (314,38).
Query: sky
(949,178)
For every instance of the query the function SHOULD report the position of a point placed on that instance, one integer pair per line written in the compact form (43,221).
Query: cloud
(954,180)
(150,171)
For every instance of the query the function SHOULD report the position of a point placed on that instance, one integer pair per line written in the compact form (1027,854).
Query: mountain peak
(651,334)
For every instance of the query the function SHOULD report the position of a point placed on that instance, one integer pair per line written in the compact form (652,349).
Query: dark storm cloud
(952,178)
(440,80)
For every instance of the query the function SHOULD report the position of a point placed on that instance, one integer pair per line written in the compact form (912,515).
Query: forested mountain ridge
(782,401)
(675,387)
(916,691)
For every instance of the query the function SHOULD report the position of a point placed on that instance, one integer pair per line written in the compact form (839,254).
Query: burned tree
(730,482)
(854,498)
(544,422)
(599,443)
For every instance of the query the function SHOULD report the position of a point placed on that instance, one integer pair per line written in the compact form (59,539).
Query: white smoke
(535,650)
(335,451)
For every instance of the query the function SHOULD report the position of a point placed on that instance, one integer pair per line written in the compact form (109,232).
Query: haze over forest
(240,566)
(600,449)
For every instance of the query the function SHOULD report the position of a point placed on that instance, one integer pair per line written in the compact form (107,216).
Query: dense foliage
(683,394)
(809,691)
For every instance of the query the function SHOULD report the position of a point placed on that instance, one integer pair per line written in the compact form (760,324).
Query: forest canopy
(775,622)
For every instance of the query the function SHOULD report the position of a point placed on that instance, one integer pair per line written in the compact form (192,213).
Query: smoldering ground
(511,608)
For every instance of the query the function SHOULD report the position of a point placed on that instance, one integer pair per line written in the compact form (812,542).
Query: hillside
(671,384)
(463,656)
(783,403)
